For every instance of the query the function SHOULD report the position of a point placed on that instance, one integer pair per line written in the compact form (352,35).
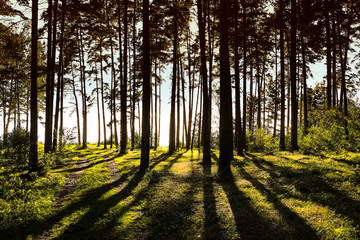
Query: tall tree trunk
(27,109)
(49,85)
(328,55)
(191,91)
(98,106)
(62,84)
(102,94)
(33,153)
(76,105)
(244,71)
(343,61)
(83,86)
(134,82)
(259,85)
(196,108)
(156,108)
(206,117)
(276,85)
(200,115)
(123,143)
(251,100)
(333,33)
(211,59)
(151,113)
(121,70)
(294,103)
(59,81)
(10,107)
(159,121)
(305,84)
(145,148)
(238,133)
(226,126)
(113,84)
(184,105)
(178,106)
(173,85)
(54,42)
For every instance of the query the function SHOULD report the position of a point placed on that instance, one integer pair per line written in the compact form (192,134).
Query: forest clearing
(179,119)
(98,194)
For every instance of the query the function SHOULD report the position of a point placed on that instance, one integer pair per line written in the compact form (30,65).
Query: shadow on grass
(170,215)
(211,224)
(353,163)
(89,199)
(86,229)
(312,188)
(249,222)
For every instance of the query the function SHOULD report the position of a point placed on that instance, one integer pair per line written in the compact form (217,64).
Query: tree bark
(244,71)
(123,143)
(328,55)
(49,85)
(33,153)
(238,132)
(206,118)
(145,148)
(226,140)
(294,103)
(102,94)
(173,85)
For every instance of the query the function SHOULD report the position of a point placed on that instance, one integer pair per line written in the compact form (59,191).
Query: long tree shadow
(211,224)
(170,213)
(90,199)
(312,187)
(85,227)
(249,223)
(298,227)
(99,208)
(353,163)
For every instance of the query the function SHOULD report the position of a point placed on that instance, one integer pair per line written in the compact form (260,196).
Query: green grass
(280,196)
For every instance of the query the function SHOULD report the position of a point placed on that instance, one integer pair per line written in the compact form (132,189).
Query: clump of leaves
(262,142)
(17,145)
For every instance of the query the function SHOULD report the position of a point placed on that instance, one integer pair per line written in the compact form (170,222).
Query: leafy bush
(328,133)
(262,142)
(17,146)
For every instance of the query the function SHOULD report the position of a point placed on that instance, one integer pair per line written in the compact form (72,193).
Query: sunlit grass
(279,196)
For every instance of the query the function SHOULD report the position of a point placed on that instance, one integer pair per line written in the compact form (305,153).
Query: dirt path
(113,168)
(75,171)
(70,183)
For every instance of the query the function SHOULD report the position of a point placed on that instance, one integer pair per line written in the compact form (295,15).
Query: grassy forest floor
(98,194)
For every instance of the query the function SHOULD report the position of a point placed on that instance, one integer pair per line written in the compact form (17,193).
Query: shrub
(17,146)
(262,142)
(328,133)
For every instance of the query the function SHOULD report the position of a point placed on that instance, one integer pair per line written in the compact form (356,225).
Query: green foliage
(17,145)
(328,133)
(23,201)
(262,142)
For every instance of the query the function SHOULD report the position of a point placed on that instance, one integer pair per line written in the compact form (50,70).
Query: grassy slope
(280,196)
